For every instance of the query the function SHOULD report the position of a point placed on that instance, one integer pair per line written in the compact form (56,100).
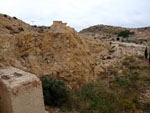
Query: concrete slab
(20,92)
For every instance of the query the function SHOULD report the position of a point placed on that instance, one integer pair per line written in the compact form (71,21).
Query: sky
(80,14)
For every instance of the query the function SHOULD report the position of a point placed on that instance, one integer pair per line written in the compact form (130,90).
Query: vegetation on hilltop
(125,33)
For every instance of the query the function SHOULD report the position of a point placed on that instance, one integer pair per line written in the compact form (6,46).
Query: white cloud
(80,13)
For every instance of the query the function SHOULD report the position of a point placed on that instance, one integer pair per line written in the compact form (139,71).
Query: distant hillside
(104,32)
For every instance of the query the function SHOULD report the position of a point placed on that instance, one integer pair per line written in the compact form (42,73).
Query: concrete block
(20,92)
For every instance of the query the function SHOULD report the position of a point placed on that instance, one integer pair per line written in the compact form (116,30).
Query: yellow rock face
(60,52)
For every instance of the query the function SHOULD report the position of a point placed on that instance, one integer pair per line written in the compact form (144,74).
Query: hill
(102,75)
(105,32)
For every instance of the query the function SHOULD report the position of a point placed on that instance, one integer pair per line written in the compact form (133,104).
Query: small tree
(55,91)
(125,33)
(146,53)
(149,56)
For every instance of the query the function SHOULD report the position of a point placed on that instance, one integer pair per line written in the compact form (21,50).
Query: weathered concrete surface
(20,92)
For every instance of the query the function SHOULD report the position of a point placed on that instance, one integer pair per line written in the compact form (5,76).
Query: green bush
(125,33)
(146,53)
(122,81)
(55,92)
(146,67)
(132,67)
(15,18)
(93,98)
(133,76)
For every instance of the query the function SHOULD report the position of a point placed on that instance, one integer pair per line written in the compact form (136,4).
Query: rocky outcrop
(60,52)
(11,25)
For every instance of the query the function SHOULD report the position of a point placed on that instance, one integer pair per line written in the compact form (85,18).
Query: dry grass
(118,95)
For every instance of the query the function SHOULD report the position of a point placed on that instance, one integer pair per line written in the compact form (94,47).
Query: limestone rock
(61,52)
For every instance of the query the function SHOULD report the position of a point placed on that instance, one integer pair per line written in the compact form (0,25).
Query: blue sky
(80,13)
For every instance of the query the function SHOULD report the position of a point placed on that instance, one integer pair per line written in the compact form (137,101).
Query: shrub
(146,53)
(130,59)
(34,26)
(132,67)
(55,92)
(133,76)
(122,81)
(146,68)
(125,33)
(93,98)
(149,56)
(41,30)
(129,104)
(5,15)
(15,18)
